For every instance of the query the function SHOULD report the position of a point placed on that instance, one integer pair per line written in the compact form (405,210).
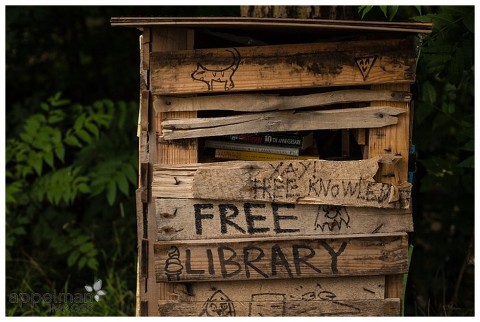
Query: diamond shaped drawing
(365,64)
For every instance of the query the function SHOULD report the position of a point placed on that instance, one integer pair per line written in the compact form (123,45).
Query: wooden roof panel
(272,23)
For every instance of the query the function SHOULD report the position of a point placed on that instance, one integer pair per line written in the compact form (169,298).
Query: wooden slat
(193,219)
(339,183)
(339,288)
(280,257)
(143,173)
(260,306)
(273,23)
(347,118)
(310,289)
(394,139)
(284,66)
(164,39)
(270,102)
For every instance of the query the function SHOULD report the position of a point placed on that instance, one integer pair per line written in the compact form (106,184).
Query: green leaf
(384,10)
(422,111)
(36,162)
(424,18)
(57,100)
(92,128)
(60,152)
(468,162)
(11,189)
(84,136)
(55,117)
(45,107)
(393,11)
(82,262)
(365,9)
(122,183)
(448,107)
(429,93)
(79,122)
(130,173)
(26,137)
(111,192)
(72,258)
(440,120)
(18,231)
(469,146)
(72,141)
(92,263)
(83,188)
(80,240)
(48,157)
(86,247)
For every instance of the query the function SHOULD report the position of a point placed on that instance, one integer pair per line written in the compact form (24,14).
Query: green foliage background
(71,162)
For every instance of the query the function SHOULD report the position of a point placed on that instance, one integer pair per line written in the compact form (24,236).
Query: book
(257,156)
(300,140)
(285,150)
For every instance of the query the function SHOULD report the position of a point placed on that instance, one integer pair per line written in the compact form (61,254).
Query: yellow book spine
(257,156)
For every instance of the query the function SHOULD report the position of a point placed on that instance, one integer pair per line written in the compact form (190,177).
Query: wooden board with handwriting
(276,258)
(191,219)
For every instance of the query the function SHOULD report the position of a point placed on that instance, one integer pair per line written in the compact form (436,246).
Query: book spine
(256,156)
(272,139)
(252,147)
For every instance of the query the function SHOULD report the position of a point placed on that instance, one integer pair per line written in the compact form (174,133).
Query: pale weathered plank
(339,183)
(162,39)
(191,219)
(393,139)
(280,257)
(271,102)
(340,288)
(276,304)
(283,66)
(347,118)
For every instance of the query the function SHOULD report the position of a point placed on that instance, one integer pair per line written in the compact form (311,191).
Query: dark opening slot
(332,146)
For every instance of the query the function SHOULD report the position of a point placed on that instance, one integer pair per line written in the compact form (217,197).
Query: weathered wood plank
(339,288)
(347,118)
(277,305)
(163,39)
(271,102)
(193,219)
(338,183)
(393,139)
(284,23)
(309,289)
(280,257)
(283,66)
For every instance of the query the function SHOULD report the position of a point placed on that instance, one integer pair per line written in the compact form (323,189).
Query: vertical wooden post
(143,157)
(393,139)
(186,151)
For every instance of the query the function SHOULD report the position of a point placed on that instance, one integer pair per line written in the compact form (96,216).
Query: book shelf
(322,236)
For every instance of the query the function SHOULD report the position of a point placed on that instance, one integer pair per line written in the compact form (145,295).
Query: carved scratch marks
(218,304)
(224,75)
(288,303)
(267,304)
(365,64)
